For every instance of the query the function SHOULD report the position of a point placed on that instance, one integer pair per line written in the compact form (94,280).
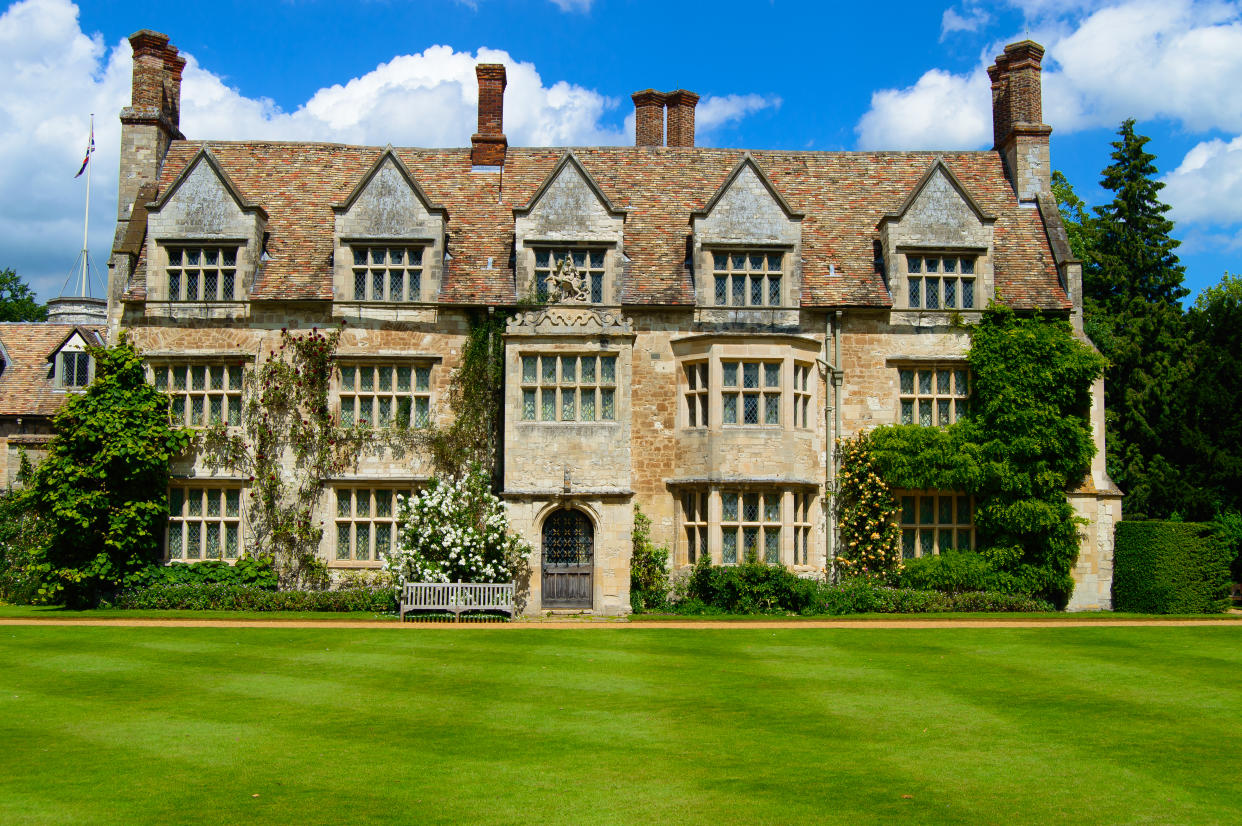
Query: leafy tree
(1078,224)
(17,300)
(1132,285)
(1211,431)
(103,489)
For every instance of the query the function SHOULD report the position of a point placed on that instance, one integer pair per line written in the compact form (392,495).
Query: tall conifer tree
(1132,285)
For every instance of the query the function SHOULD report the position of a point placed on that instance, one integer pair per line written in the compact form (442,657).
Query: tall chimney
(489,144)
(649,117)
(1018,130)
(152,120)
(681,105)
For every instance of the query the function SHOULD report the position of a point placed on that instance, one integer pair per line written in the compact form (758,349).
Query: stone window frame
(178,271)
(927,518)
(803,393)
(942,403)
(738,271)
(164,375)
(705,522)
(75,369)
(955,274)
(369,517)
(536,386)
(364,272)
(695,523)
(347,384)
(189,524)
(792,399)
(802,525)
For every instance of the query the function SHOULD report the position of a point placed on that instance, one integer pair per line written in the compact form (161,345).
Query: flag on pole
(90,147)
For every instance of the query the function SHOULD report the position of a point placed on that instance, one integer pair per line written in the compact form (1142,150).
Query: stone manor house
(690,329)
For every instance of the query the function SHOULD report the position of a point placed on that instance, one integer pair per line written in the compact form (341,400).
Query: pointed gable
(747,209)
(940,211)
(389,203)
(569,206)
(203,202)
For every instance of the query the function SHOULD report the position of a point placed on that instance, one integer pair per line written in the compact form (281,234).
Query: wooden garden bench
(456,597)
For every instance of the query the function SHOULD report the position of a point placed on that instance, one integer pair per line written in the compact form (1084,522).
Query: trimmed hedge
(1170,568)
(249,570)
(226,597)
(769,589)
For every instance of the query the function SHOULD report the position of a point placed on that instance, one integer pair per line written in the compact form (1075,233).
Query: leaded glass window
(568,387)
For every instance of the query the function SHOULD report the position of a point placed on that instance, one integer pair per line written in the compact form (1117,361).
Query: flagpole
(86,221)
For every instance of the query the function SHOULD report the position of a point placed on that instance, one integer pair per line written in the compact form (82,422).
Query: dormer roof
(389,154)
(569,159)
(26,384)
(204,155)
(747,161)
(938,165)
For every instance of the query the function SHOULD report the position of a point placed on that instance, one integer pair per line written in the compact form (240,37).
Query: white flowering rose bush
(454,531)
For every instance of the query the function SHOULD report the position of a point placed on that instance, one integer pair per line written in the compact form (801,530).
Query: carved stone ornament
(570,321)
(566,284)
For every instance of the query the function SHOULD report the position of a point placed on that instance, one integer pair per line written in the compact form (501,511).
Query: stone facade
(690,329)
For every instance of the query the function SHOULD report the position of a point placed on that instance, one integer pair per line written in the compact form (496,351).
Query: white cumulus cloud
(714,112)
(941,111)
(1207,186)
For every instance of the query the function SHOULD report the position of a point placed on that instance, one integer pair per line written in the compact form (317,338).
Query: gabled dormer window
(389,239)
(746,250)
(569,240)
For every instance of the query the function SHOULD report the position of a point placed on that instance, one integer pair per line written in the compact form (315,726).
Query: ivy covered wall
(1026,441)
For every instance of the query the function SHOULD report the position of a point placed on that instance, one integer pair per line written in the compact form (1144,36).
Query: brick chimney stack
(681,105)
(488,145)
(649,117)
(1018,130)
(152,120)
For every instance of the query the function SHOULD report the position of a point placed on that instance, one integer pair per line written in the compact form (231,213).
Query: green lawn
(619,725)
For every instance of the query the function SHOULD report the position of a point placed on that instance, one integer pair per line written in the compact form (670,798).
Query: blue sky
(772,75)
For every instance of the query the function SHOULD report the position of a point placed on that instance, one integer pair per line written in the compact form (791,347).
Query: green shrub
(24,568)
(257,571)
(750,588)
(762,589)
(649,585)
(952,572)
(228,597)
(1170,568)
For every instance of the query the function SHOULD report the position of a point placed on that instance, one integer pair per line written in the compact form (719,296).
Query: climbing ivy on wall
(290,445)
(475,399)
(1025,442)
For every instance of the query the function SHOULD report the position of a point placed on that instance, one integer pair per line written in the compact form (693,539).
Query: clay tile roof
(26,389)
(841,195)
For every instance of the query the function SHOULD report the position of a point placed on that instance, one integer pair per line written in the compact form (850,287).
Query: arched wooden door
(568,560)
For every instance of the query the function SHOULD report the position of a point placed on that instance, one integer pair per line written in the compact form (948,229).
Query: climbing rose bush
(454,531)
(867,517)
